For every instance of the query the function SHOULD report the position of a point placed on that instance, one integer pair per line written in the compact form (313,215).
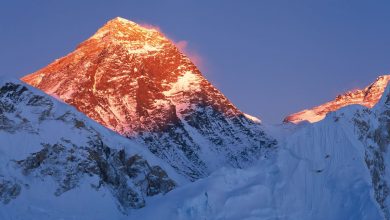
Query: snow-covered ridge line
(368,97)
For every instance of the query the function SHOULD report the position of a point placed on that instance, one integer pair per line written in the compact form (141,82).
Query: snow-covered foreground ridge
(55,162)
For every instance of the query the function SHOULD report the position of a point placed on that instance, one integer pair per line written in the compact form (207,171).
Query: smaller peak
(367,97)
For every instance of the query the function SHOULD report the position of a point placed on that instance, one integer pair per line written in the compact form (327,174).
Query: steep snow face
(54,159)
(373,126)
(354,141)
(368,97)
(134,80)
(323,168)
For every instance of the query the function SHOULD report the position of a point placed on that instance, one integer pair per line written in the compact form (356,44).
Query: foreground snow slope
(334,169)
(56,163)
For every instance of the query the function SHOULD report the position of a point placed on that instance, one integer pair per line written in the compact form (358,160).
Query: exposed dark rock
(8,190)
(158,181)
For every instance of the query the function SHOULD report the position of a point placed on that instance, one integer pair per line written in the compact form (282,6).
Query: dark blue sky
(270,58)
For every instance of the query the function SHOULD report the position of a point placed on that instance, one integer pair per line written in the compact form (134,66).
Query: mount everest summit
(135,81)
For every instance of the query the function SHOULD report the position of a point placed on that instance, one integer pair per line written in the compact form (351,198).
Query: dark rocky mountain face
(47,141)
(134,81)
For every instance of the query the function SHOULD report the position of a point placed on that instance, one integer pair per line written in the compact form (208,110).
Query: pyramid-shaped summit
(135,81)
(121,75)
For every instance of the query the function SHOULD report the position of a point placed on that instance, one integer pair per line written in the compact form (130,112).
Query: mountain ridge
(368,97)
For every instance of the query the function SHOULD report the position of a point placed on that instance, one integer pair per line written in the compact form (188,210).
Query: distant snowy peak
(135,81)
(368,97)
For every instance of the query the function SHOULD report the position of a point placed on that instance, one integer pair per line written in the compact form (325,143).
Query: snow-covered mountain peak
(136,82)
(368,97)
(132,71)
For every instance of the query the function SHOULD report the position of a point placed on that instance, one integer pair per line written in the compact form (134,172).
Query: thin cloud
(194,57)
